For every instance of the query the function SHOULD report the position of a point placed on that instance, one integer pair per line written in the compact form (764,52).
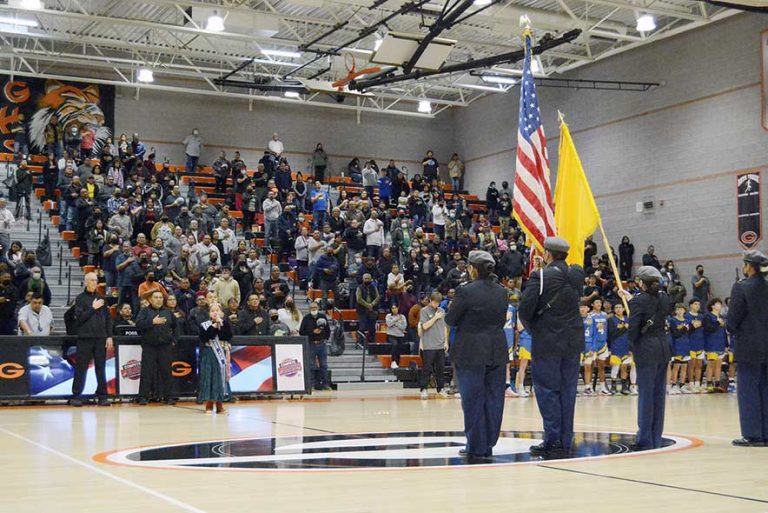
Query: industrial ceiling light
(495,79)
(425,107)
(482,3)
(215,23)
(493,89)
(145,75)
(291,94)
(646,23)
(8,20)
(281,53)
(378,41)
(31,4)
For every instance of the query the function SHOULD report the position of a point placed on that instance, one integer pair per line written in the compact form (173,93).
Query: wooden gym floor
(291,456)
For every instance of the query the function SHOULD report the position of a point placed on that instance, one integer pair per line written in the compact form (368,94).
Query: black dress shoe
(103,401)
(463,452)
(170,401)
(77,403)
(143,401)
(548,450)
(639,448)
(748,442)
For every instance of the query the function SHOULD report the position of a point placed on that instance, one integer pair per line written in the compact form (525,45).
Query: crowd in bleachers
(374,240)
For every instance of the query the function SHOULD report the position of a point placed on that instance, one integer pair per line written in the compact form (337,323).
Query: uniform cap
(556,244)
(754,256)
(479,257)
(648,273)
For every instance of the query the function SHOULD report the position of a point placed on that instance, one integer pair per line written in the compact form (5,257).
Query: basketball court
(369,451)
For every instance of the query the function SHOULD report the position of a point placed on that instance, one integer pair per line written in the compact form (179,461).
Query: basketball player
(587,356)
(714,332)
(524,343)
(621,359)
(696,337)
(600,342)
(681,349)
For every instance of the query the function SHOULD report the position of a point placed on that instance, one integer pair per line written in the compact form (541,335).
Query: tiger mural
(73,106)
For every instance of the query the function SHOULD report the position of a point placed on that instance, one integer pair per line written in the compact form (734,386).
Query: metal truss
(107,41)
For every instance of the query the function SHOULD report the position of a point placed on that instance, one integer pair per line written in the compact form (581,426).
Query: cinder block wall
(681,144)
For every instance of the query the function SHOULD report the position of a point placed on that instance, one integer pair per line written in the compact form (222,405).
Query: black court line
(661,485)
(190,408)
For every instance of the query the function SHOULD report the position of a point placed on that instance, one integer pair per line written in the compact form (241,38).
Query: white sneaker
(509,392)
(674,390)
(685,389)
(457,395)
(633,390)
(424,394)
(604,391)
(394,365)
(588,391)
(442,394)
(524,393)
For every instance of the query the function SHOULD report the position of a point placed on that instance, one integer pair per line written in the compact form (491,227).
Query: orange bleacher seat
(274,258)
(318,294)
(113,311)
(405,360)
(55,220)
(76,252)
(496,229)
(49,205)
(215,201)
(236,214)
(292,275)
(345,315)
(89,268)
(68,235)
(39,193)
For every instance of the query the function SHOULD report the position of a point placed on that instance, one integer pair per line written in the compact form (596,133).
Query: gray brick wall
(161,116)
(631,140)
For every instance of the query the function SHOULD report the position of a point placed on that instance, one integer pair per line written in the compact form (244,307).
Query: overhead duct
(744,5)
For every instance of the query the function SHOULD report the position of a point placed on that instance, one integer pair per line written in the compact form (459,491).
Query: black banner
(74,104)
(748,209)
(14,375)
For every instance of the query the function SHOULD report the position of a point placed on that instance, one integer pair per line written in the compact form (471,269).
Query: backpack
(70,321)
(337,338)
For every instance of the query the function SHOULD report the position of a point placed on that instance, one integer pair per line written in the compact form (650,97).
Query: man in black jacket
(317,329)
(549,310)
(157,326)
(94,336)
(747,319)
(252,319)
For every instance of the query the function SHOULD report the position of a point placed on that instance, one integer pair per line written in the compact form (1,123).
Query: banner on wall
(748,209)
(14,374)
(764,77)
(52,371)
(73,104)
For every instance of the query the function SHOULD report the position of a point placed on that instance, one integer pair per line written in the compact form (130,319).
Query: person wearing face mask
(157,327)
(316,328)
(225,287)
(701,285)
(193,146)
(367,303)
(150,285)
(626,258)
(277,328)
(401,238)
(36,284)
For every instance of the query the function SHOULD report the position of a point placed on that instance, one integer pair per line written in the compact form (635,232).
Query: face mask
(273,317)
(36,276)
(155,260)
(313,313)
(404,226)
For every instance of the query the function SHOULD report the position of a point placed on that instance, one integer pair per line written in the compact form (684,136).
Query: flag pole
(613,266)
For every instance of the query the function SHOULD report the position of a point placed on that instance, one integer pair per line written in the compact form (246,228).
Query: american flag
(532,195)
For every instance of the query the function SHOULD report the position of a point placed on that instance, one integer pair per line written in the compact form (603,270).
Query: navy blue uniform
(480,355)
(552,318)
(651,352)
(747,320)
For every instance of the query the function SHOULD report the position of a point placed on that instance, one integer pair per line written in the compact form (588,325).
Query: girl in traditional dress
(215,335)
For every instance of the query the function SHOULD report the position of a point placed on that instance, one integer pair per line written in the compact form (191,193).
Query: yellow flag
(576,214)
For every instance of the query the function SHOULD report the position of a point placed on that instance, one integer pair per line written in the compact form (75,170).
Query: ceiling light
(215,23)
(646,23)
(377,42)
(145,75)
(482,3)
(495,79)
(425,107)
(281,53)
(291,94)
(31,4)
(7,20)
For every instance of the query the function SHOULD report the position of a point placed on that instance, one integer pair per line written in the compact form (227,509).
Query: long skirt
(210,386)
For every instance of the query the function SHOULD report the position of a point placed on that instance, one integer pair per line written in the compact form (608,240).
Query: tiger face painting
(72,106)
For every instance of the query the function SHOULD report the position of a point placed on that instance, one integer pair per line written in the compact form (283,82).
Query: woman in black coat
(651,352)
(626,255)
